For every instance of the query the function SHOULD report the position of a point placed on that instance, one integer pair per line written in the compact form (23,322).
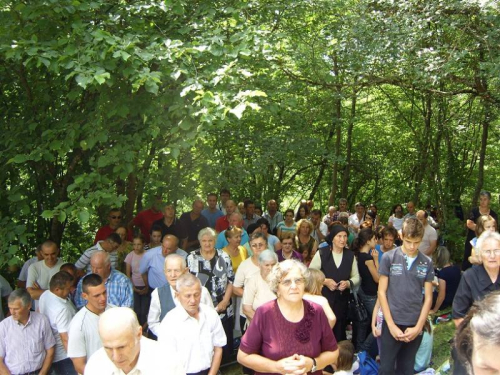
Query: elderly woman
(289,334)
(306,244)
(339,266)
(213,267)
(257,290)
(314,285)
(236,252)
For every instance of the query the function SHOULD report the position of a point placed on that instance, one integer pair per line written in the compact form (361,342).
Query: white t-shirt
(397,223)
(60,313)
(355,221)
(430,235)
(41,274)
(192,340)
(152,361)
(245,272)
(84,337)
(323,228)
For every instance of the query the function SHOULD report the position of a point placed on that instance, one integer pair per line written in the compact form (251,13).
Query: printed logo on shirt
(396,269)
(421,271)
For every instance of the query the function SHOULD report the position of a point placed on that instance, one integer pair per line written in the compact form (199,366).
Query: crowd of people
(288,293)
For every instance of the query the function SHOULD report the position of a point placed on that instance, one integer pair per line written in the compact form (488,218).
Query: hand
(431,312)
(396,332)
(330,284)
(291,365)
(143,291)
(376,332)
(374,254)
(35,285)
(343,285)
(221,306)
(411,333)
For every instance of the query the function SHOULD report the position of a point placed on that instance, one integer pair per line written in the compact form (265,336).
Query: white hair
(120,319)
(487,236)
(186,280)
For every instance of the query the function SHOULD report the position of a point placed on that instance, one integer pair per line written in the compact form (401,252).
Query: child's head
(389,236)
(484,223)
(314,282)
(138,244)
(412,234)
(304,250)
(346,356)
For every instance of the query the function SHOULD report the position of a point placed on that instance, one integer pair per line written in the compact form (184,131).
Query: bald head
(121,319)
(100,263)
(422,217)
(235,219)
(169,244)
(230,207)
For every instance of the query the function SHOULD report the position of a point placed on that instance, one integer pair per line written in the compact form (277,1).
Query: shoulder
(119,277)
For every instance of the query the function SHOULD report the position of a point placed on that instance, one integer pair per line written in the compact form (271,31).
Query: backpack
(367,365)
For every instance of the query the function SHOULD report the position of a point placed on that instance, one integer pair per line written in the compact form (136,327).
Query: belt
(30,373)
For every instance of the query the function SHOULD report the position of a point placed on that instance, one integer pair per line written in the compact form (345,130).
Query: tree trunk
(347,170)
(482,153)
(338,132)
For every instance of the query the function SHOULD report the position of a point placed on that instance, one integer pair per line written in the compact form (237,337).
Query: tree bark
(347,170)
(482,153)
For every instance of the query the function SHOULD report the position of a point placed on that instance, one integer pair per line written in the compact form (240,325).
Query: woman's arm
(440,297)
(227,298)
(376,332)
(249,312)
(373,269)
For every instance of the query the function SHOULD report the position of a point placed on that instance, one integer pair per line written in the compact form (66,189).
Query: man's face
(114,219)
(169,212)
(49,254)
(360,210)
(272,206)
(411,244)
(342,206)
(230,207)
(64,292)
(113,246)
(315,219)
(19,312)
(421,217)
(122,347)
(235,221)
(388,241)
(155,237)
(224,197)
(100,267)
(211,201)
(250,209)
(96,297)
(411,207)
(173,269)
(190,297)
(197,207)
(168,246)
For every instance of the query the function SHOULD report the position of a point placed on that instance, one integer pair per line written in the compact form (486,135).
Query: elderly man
(171,225)
(84,338)
(114,220)
(26,340)
(342,209)
(153,261)
(273,216)
(163,299)
(40,273)
(223,221)
(194,221)
(56,306)
(193,331)
(430,239)
(110,244)
(235,220)
(212,213)
(119,287)
(126,351)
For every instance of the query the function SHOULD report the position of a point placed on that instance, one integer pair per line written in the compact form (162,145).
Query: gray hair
(342,200)
(118,318)
(21,294)
(343,214)
(186,280)
(485,193)
(267,256)
(175,256)
(207,232)
(487,236)
(240,216)
(103,254)
(280,270)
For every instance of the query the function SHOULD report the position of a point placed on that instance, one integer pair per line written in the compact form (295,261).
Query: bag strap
(352,291)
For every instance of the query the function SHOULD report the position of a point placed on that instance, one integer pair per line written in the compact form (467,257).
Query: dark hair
(91,280)
(139,236)
(360,204)
(390,231)
(263,221)
(412,228)
(289,210)
(155,228)
(59,280)
(346,355)
(367,223)
(114,237)
(393,211)
(251,228)
(257,235)
(212,195)
(305,207)
(343,220)
(248,202)
(362,239)
(67,266)
(316,212)
(224,191)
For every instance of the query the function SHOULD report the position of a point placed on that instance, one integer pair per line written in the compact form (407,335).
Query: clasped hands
(294,365)
(332,285)
(408,335)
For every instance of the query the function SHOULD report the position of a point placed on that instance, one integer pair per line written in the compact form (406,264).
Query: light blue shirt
(222,242)
(153,262)
(212,216)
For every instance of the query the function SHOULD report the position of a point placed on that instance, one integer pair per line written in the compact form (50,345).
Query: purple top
(272,336)
(295,255)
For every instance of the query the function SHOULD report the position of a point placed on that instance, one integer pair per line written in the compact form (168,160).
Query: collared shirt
(23,347)
(247,221)
(323,228)
(23,275)
(273,221)
(60,313)
(153,262)
(355,221)
(119,288)
(474,286)
(41,274)
(155,307)
(151,362)
(84,260)
(212,216)
(193,340)
(222,241)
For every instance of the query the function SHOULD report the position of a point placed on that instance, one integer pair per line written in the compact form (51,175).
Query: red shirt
(103,233)
(222,223)
(145,219)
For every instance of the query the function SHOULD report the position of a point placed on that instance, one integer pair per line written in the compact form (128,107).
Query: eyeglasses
(489,253)
(116,217)
(258,245)
(297,282)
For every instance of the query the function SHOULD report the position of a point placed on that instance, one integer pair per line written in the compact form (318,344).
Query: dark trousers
(64,367)
(397,357)
(364,328)
(141,305)
(227,351)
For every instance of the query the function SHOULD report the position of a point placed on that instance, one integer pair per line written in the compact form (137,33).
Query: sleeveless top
(331,271)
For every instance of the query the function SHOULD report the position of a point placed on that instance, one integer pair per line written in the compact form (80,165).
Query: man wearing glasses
(114,219)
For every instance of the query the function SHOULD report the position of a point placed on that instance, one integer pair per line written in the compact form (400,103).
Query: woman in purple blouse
(289,334)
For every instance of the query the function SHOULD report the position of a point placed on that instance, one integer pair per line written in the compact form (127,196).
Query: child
(141,295)
(404,274)
(345,362)
(483,223)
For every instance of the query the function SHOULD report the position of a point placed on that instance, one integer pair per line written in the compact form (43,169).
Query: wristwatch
(313,369)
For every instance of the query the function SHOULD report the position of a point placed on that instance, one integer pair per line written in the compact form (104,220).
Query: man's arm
(79,363)
(214,368)
(412,332)
(47,362)
(35,291)
(3,369)
(64,339)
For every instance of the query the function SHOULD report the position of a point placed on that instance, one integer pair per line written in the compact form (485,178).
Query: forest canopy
(106,104)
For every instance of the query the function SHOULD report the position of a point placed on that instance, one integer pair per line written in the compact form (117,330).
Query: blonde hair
(302,221)
(314,282)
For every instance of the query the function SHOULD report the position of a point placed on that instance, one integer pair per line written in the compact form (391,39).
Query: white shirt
(23,275)
(155,307)
(192,340)
(323,228)
(246,271)
(5,290)
(84,337)
(151,362)
(430,235)
(355,221)
(41,274)
(60,313)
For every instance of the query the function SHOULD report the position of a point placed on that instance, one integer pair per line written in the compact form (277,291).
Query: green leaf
(19,158)
(62,216)
(238,110)
(48,214)
(83,216)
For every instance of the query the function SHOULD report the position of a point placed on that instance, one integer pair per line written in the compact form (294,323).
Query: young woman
(288,225)
(302,212)
(142,298)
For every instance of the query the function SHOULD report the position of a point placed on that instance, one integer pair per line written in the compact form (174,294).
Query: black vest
(331,271)
(166,300)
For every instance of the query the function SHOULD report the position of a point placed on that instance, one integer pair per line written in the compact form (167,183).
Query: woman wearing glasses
(289,334)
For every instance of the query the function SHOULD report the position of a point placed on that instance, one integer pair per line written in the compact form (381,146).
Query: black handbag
(356,311)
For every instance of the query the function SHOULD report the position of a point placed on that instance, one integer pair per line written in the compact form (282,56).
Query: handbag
(356,310)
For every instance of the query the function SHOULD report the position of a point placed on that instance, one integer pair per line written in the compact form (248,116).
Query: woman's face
(490,254)
(122,232)
(340,240)
(302,212)
(304,229)
(234,240)
(258,245)
(485,358)
(291,287)
(266,267)
(264,229)
(207,242)
(287,245)
(484,201)
(372,242)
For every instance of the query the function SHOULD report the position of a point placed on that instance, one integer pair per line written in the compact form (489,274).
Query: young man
(212,213)
(404,273)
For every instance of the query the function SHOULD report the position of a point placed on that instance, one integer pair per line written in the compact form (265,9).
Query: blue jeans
(364,328)
(64,367)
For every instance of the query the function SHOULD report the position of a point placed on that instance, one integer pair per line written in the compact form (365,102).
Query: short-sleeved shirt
(272,336)
(84,339)
(283,227)
(41,274)
(175,229)
(396,222)
(212,216)
(430,235)
(222,241)
(368,285)
(84,261)
(153,263)
(295,255)
(238,259)
(60,313)
(145,219)
(135,260)
(23,275)
(474,286)
(405,289)
(103,233)
(257,292)
(273,221)
(23,347)
(246,271)
(222,223)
